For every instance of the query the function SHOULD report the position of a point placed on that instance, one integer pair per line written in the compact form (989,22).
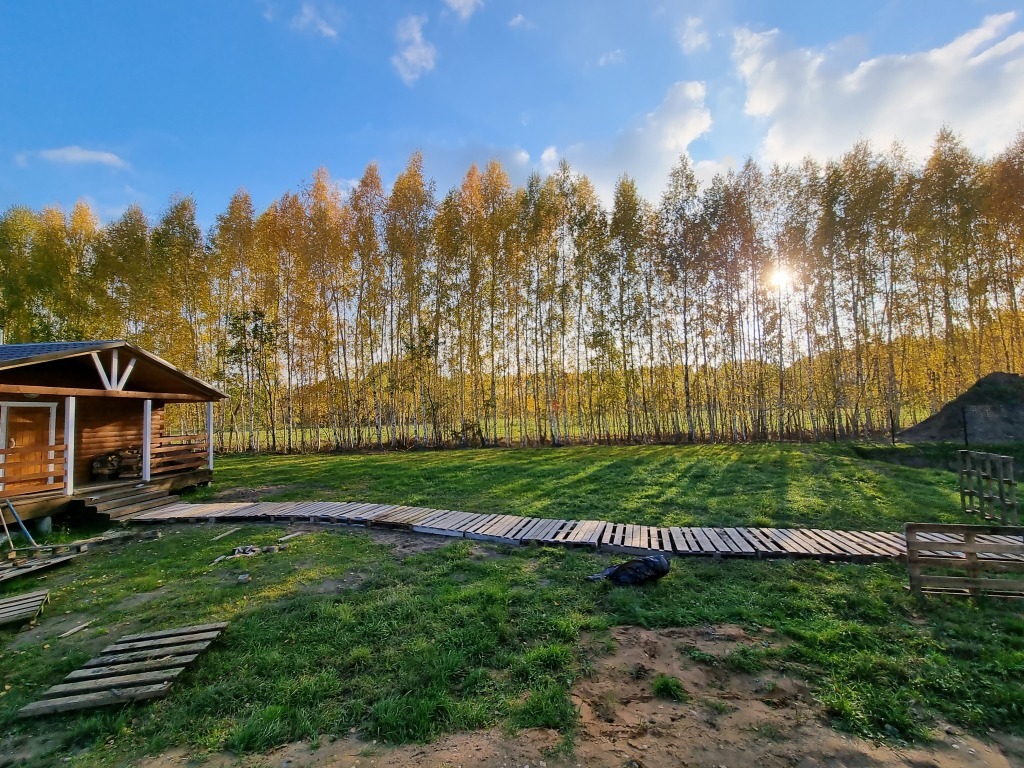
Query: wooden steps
(851,546)
(135,668)
(122,502)
(22,607)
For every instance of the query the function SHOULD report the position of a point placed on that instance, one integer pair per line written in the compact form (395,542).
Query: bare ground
(729,719)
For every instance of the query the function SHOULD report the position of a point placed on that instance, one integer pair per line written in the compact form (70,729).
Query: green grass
(337,633)
(821,485)
(668,687)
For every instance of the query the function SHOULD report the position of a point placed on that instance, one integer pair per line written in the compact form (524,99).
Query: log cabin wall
(109,424)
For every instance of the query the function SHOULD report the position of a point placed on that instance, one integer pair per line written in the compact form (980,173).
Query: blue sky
(119,102)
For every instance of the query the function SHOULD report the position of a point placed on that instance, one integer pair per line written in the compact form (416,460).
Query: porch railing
(178,453)
(32,469)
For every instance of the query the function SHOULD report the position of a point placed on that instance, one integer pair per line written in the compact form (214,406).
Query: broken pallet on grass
(31,566)
(23,607)
(135,668)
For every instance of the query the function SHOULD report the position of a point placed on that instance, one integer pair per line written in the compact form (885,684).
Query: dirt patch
(23,749)
(140,598)
(405,544)
(993,408)
(727,718)
(352,580)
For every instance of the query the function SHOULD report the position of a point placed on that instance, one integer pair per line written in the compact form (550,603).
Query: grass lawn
(820,485)
(338,632)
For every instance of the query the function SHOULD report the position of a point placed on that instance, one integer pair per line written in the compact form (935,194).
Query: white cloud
(416,56)
(813,105)
(521,157)
(269,10)
(612,57)
(73,155)
(465,8)
(518,21)
(549,160)
(313,19)
(649,148)
(693,37)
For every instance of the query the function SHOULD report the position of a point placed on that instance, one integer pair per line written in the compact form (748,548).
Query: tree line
(813,301)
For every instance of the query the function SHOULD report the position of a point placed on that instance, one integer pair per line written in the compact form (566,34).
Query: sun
(781,278)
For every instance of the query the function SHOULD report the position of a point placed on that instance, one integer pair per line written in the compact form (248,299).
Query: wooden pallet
(986,552)
(135,668)
(22,607)
(24,568)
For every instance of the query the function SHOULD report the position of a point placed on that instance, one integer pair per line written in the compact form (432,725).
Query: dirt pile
(993,409)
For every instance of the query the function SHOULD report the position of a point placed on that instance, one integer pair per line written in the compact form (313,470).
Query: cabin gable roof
(89,368)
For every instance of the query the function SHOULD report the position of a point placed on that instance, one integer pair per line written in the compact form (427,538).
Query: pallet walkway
(22,607)
(855,546)
(135,668)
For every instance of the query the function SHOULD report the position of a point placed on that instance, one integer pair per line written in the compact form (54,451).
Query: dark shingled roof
(10,352)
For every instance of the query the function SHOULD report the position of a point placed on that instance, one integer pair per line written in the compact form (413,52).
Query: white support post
(107,384)
(69,442)
(113,369)
(147,440)
(209,435)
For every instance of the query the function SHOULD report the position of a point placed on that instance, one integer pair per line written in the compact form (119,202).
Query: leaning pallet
(987,553)
(22,607)
(135,668)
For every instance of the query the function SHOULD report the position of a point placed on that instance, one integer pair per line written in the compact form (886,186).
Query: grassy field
(338,632)
(821,485)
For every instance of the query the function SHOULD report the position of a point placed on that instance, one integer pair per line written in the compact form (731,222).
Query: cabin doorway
(28,433)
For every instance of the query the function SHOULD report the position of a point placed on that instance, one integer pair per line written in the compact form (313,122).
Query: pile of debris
(248,550)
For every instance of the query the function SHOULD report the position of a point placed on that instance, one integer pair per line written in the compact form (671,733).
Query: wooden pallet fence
(135,668)
(25,607)
(970,559)
(988,487)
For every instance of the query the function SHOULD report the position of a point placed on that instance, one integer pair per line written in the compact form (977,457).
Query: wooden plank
(549,535)
(539,530)
(719,545)
(961,582)
(762,545)
(93,700)
(163,642)
(106,683)
(826,547)
(960,529)
(167,662)
(701,537)
(848,547)
(740,544)
(806,545)
(976,546)
(150,653)
(989,566)
(226,533)
(175,632)
(33,566)
(75,630)
(679,543)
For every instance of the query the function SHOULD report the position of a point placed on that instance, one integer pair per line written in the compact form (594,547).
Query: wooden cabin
(82,424)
